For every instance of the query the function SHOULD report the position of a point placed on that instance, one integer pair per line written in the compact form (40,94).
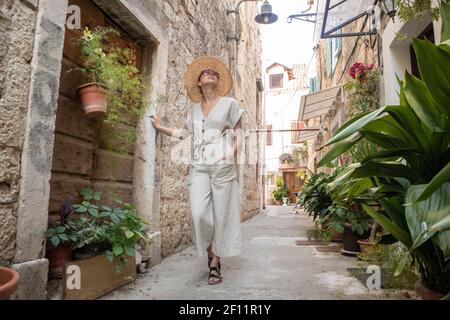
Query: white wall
(281,108)
(396,53)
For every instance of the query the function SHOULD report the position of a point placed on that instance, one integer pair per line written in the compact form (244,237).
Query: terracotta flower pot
(366,246)
(9,280)
(425,293)
(57,258)
(93,99)
(350,241)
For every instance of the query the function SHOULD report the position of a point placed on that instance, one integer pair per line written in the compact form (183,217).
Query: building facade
(390,52)
(49,151)
(284,89)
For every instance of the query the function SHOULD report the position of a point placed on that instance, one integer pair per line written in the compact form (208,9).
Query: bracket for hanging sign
(336,32)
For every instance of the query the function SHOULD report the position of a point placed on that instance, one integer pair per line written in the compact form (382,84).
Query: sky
(288,43)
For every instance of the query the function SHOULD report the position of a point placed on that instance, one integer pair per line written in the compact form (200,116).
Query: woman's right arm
(173,132)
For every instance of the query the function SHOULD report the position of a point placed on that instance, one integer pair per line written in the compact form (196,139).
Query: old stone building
(49,151)
(388,48)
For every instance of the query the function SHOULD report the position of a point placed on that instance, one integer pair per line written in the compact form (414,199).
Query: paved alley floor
(272,266)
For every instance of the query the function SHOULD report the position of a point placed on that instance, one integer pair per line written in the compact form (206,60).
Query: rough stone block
(71,79)
(33,280)
(109,189)
(9,174)
(8,220)
(113,166)
(72,155)
(63,187)
(70,120)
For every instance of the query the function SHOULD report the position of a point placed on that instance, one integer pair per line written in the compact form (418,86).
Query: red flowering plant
(363,91)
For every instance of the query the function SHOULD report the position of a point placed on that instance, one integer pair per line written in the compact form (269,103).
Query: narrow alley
(272,266)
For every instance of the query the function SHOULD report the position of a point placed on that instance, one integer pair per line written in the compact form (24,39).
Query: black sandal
(215,276)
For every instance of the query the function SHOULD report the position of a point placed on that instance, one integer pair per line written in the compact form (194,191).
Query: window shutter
(329,57)
(269,134)
(293,132)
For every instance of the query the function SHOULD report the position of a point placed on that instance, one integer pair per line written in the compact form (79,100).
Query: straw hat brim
(193,71)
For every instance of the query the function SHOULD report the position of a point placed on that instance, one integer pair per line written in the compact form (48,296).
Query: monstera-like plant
(411,166)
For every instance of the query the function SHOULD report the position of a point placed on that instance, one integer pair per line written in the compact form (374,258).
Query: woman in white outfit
(214,124)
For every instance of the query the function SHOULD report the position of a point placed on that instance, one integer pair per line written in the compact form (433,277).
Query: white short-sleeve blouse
(212,136)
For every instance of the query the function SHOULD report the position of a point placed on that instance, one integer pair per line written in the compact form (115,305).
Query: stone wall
(199,28)
(181,31)
(17,26)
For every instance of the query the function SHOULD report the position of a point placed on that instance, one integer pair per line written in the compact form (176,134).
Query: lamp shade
(266,16)
(389,7)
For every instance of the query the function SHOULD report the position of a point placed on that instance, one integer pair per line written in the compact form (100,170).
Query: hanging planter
(93,99)
(113,84)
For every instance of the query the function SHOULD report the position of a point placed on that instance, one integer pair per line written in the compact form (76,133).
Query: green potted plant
(352,224)
(111,79)
(412,171)
(314,197)
(107,230)
(60,235)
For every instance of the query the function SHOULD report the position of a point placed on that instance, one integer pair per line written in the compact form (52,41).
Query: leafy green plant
(112,68)
(314,196)
(412,166)
(338,217)
(62,230)
(363,90)
(413,10)
(281,192)
(125,230)
(101,228)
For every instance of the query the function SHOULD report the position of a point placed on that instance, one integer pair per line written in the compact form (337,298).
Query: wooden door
(82,155)
(292,181)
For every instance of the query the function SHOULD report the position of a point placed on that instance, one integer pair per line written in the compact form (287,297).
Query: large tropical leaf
(439,179)
(354,126)
(429,219)
(432,61)
(391,153)
(445,15)
(395,211)
(399,233)
(423,104)
(376,169)
(339,148)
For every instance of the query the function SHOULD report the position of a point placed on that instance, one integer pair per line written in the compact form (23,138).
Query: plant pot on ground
(9,280)
(57,258)
(60,236)
(350,240)
(93,99)
(425,293)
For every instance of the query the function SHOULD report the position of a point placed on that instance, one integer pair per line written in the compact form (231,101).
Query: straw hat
(224,84)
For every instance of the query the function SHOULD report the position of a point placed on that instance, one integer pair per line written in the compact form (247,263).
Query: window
(334,47)
(314,84)
(276,81)
(269,135)
(428,34)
